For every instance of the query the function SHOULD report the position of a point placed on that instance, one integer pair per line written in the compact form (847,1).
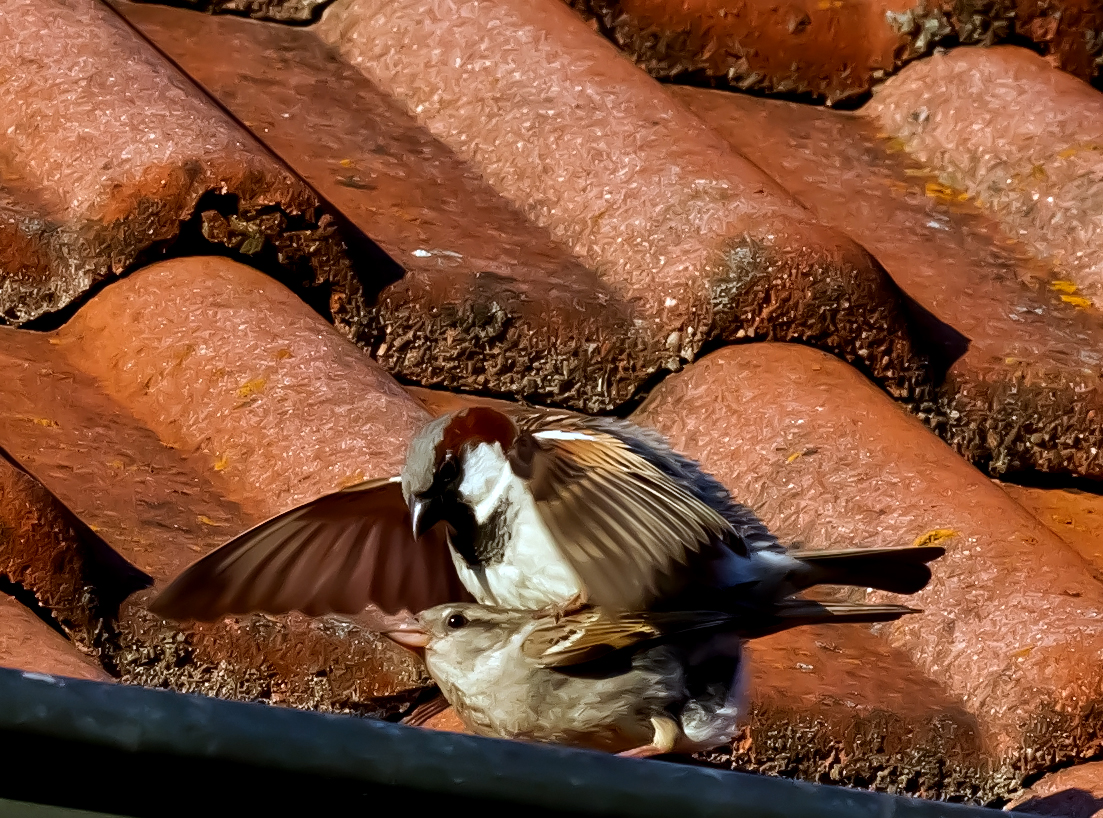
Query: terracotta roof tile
(1012,132)
(705,246)
(27,643)
(112,158)
(1011,623)
(1012,348)
(548,223)
(104,412)
(484,287)
(829,49)
(1076,792)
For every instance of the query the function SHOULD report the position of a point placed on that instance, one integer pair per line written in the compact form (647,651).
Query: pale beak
(409,636)
(424,514)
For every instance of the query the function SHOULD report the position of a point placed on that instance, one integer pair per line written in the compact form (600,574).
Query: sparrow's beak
(424,514)
(409,636)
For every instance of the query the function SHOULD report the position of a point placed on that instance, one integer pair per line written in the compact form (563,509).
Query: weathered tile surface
(489,301)
(111,158)
(29,644)
(838,705)
(162,500)
(829,461)
(703,244)
(1074,515)
(1076,792)
(1022,389)
(60,562)
(827,51)
(833,50)
(568,231)
(230,367)
(282,11)
(1005,127)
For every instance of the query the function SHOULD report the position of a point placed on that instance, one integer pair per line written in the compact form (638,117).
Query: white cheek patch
(486,478)
(555,434)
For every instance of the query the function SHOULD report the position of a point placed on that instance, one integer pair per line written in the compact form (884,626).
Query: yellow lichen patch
(934,537)
(45,422)
(55,342)
(222,463)
(1066,287)
(346,163)
(283,354)
(793,457)
(1022,653)
(1072,150)
(937,190)
(896,145)
(203,518)
(352,480)
(250,388)
(1077,301)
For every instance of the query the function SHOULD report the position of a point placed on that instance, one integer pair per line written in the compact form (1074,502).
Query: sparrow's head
(452,464)
(453,637)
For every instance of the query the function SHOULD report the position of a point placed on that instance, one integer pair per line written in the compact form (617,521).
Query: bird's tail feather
(900,570)
(794,613)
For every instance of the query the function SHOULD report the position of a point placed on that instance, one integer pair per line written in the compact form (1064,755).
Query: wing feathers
(337,554)
(593,633)
(621,523)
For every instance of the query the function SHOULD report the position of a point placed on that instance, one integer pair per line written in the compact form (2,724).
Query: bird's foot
(646,751)
(666,736)
(426,710)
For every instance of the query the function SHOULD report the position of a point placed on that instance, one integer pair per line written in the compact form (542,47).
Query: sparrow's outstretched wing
(336,554)
(622,524)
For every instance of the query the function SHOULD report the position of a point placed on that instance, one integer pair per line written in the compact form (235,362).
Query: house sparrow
(639,684)
(527,510)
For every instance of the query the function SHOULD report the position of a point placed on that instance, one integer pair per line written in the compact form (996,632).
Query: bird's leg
(426,710)
(666,735)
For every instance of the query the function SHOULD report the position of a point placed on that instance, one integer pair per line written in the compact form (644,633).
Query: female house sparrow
(527,510)
(637,684)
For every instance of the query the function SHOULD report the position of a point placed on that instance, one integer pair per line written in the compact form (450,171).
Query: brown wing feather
(621,523)
(337,554)
(593,633)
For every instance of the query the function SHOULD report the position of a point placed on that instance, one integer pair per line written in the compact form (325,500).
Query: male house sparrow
(639,684)
(527,510)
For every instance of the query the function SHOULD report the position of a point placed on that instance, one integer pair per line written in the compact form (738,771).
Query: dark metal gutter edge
(83,726)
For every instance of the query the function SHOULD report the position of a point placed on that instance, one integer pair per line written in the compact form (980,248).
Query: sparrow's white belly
(532,573)
(500,693)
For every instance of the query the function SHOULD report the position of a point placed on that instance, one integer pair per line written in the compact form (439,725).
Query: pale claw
(666,736)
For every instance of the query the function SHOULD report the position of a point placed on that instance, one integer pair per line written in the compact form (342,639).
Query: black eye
(456,621)
(448,471)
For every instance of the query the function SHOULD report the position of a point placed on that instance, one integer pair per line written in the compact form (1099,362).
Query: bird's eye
(456,621)
(449,470)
